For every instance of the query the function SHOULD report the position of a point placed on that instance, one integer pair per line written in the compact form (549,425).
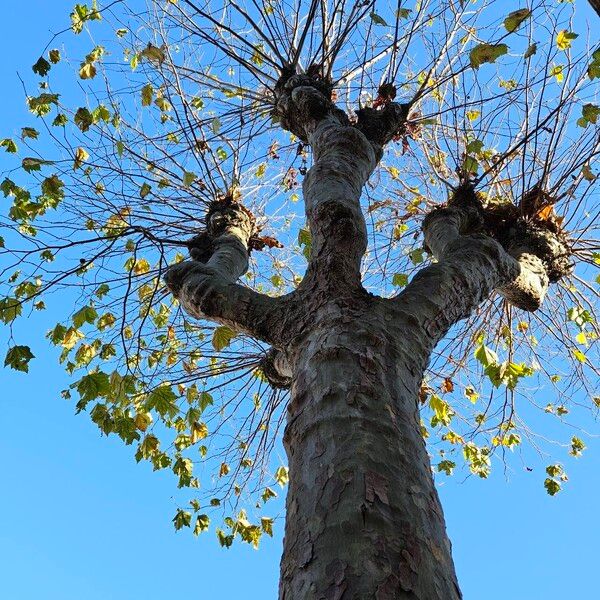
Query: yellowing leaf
(281,476)
(377,19)
(222,337)
(87,71)
(486,53)
(147,94)
(564,39)
(81,156)
(531,50)
(557,71)
(260,170)
(153,53)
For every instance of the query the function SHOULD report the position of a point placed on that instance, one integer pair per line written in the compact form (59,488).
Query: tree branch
(471,263)
(206,286)
(345,155)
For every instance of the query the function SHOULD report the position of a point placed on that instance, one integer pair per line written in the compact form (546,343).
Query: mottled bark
(363,516)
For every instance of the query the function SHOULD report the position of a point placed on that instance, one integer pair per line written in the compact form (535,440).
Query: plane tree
(363,229)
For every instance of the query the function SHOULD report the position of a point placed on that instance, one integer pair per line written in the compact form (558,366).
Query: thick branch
(467,272)
(206,286)
(205,293)
(343,161)
(223,245)
(345,155)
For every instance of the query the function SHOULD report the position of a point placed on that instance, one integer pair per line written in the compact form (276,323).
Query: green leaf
(221,153)
(31,164)
(10,309)
(82,13)
(87,314)
(552,486)
(531,50)
(147,94)
(162,399)
(83,119)
(594,67)
(9,145)
(18,358)
(400,279)
(197,103)
(93,386)
(29,132)
(222,337)
(281,476)
(446,466)
(486,53)
(145,190)
(153,53)
(305,242)
(589,114)
(205,400)
(580,316)
(443,413)
(377,19)
(416,256)
(554,470)
(42,67)
(42,104)
(577,446)
(486,356)
(182,518)
(202,524)
(189,178)
(516,18)
(60,120)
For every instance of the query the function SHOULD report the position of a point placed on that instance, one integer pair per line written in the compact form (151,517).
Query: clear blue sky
(80,520)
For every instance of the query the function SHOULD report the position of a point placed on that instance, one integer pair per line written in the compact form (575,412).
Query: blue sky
(80,520)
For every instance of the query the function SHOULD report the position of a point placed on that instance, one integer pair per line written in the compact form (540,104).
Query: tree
(445,119)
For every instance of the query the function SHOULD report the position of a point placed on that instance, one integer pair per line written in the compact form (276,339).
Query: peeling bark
(363,516)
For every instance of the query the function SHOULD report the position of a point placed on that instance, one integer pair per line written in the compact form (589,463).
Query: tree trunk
(363,517)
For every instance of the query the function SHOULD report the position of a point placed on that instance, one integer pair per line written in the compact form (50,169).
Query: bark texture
(363,517)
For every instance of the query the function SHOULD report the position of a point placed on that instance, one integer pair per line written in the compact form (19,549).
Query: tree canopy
(156,110)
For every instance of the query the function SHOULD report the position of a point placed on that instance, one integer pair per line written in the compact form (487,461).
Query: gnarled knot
(382,124)
(225,216)
(302,99)
(538,234)
(275,369)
